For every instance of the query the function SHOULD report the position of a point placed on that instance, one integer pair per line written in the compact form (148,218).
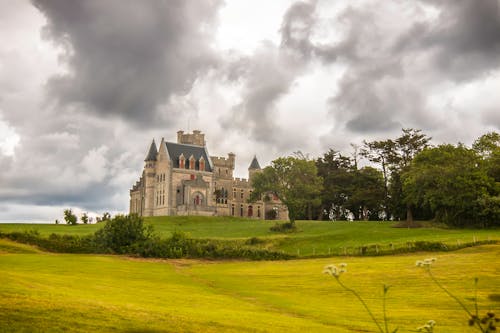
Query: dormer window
(202,164)
(192,162)
(182,162)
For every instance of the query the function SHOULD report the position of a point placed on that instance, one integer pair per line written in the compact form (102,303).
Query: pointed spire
(153,152)
(255,164)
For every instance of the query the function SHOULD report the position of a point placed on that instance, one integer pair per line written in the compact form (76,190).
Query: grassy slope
(312,237)
(81,293)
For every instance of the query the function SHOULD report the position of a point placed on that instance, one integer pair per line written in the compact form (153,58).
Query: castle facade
(183,179)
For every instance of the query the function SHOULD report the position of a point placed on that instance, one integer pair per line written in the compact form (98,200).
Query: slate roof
(176,149)
(254,164)
(153,152)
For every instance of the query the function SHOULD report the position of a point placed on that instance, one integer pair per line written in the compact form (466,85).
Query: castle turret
(253,168)
(153,153)
(149,179)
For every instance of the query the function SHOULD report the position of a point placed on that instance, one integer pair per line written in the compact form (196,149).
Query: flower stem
(362,302)
(455,298)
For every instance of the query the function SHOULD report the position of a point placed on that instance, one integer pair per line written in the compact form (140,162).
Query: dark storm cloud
(127,57)
(378,91)
(297,26)
(465,38)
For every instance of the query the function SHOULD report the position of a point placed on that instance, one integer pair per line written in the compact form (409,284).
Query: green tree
(85,218)
(294,180)
(69,217)
(336,172)
(395,157)
(453,183)
(488,147)
(366,198)
(383,153)
(349,190)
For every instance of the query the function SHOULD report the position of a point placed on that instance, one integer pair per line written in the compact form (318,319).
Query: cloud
(464,38)
(395,62)
(124,58)
(269,74)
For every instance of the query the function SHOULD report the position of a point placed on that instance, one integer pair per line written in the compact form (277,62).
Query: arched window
(241,210)
(250,211)
(198,199)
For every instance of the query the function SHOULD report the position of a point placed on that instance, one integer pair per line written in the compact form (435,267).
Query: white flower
(334,270)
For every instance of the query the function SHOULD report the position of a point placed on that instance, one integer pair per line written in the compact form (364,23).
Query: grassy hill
(312,238)
(81,293)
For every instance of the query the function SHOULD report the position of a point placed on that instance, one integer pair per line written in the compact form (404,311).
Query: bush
(122,233)
(55,243)
(283,227)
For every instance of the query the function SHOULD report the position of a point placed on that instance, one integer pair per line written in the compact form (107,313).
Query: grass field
(312,237)
(41,292)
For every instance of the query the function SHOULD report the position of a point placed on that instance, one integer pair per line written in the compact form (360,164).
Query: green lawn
(312,237)
(42,292)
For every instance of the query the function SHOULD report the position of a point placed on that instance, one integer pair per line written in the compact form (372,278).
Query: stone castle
(183,179)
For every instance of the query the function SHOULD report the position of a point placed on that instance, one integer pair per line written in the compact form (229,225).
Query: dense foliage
(293,179)
(453,182)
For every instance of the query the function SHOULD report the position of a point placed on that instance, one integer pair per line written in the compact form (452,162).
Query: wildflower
(429,327)
(334,270)
(425,263)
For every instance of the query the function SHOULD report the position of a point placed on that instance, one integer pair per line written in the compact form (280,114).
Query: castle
(182,179)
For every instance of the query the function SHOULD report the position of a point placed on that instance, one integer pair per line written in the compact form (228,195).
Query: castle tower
(149,179)
(253,168)
(196,138)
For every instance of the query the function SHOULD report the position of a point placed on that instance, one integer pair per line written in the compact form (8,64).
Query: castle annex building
(183,179)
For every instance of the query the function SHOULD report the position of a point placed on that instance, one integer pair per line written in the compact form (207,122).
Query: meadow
(46,292)
(313,238)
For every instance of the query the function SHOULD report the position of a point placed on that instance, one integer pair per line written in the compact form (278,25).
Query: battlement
(196,138)
(241,180)
(225,162)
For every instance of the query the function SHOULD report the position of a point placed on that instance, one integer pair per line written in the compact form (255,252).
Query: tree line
(404,178)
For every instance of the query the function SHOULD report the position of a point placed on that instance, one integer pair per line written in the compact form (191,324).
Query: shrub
(283,227)
(121,233)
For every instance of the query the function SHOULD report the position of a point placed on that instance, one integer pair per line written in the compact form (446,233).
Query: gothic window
(232,209)
(250,211)
(202,164)
(242,193)
(234,193)
(192,162)
(241,210)
(258,211)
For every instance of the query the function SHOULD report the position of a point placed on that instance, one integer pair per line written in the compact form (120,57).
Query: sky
(86,85)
